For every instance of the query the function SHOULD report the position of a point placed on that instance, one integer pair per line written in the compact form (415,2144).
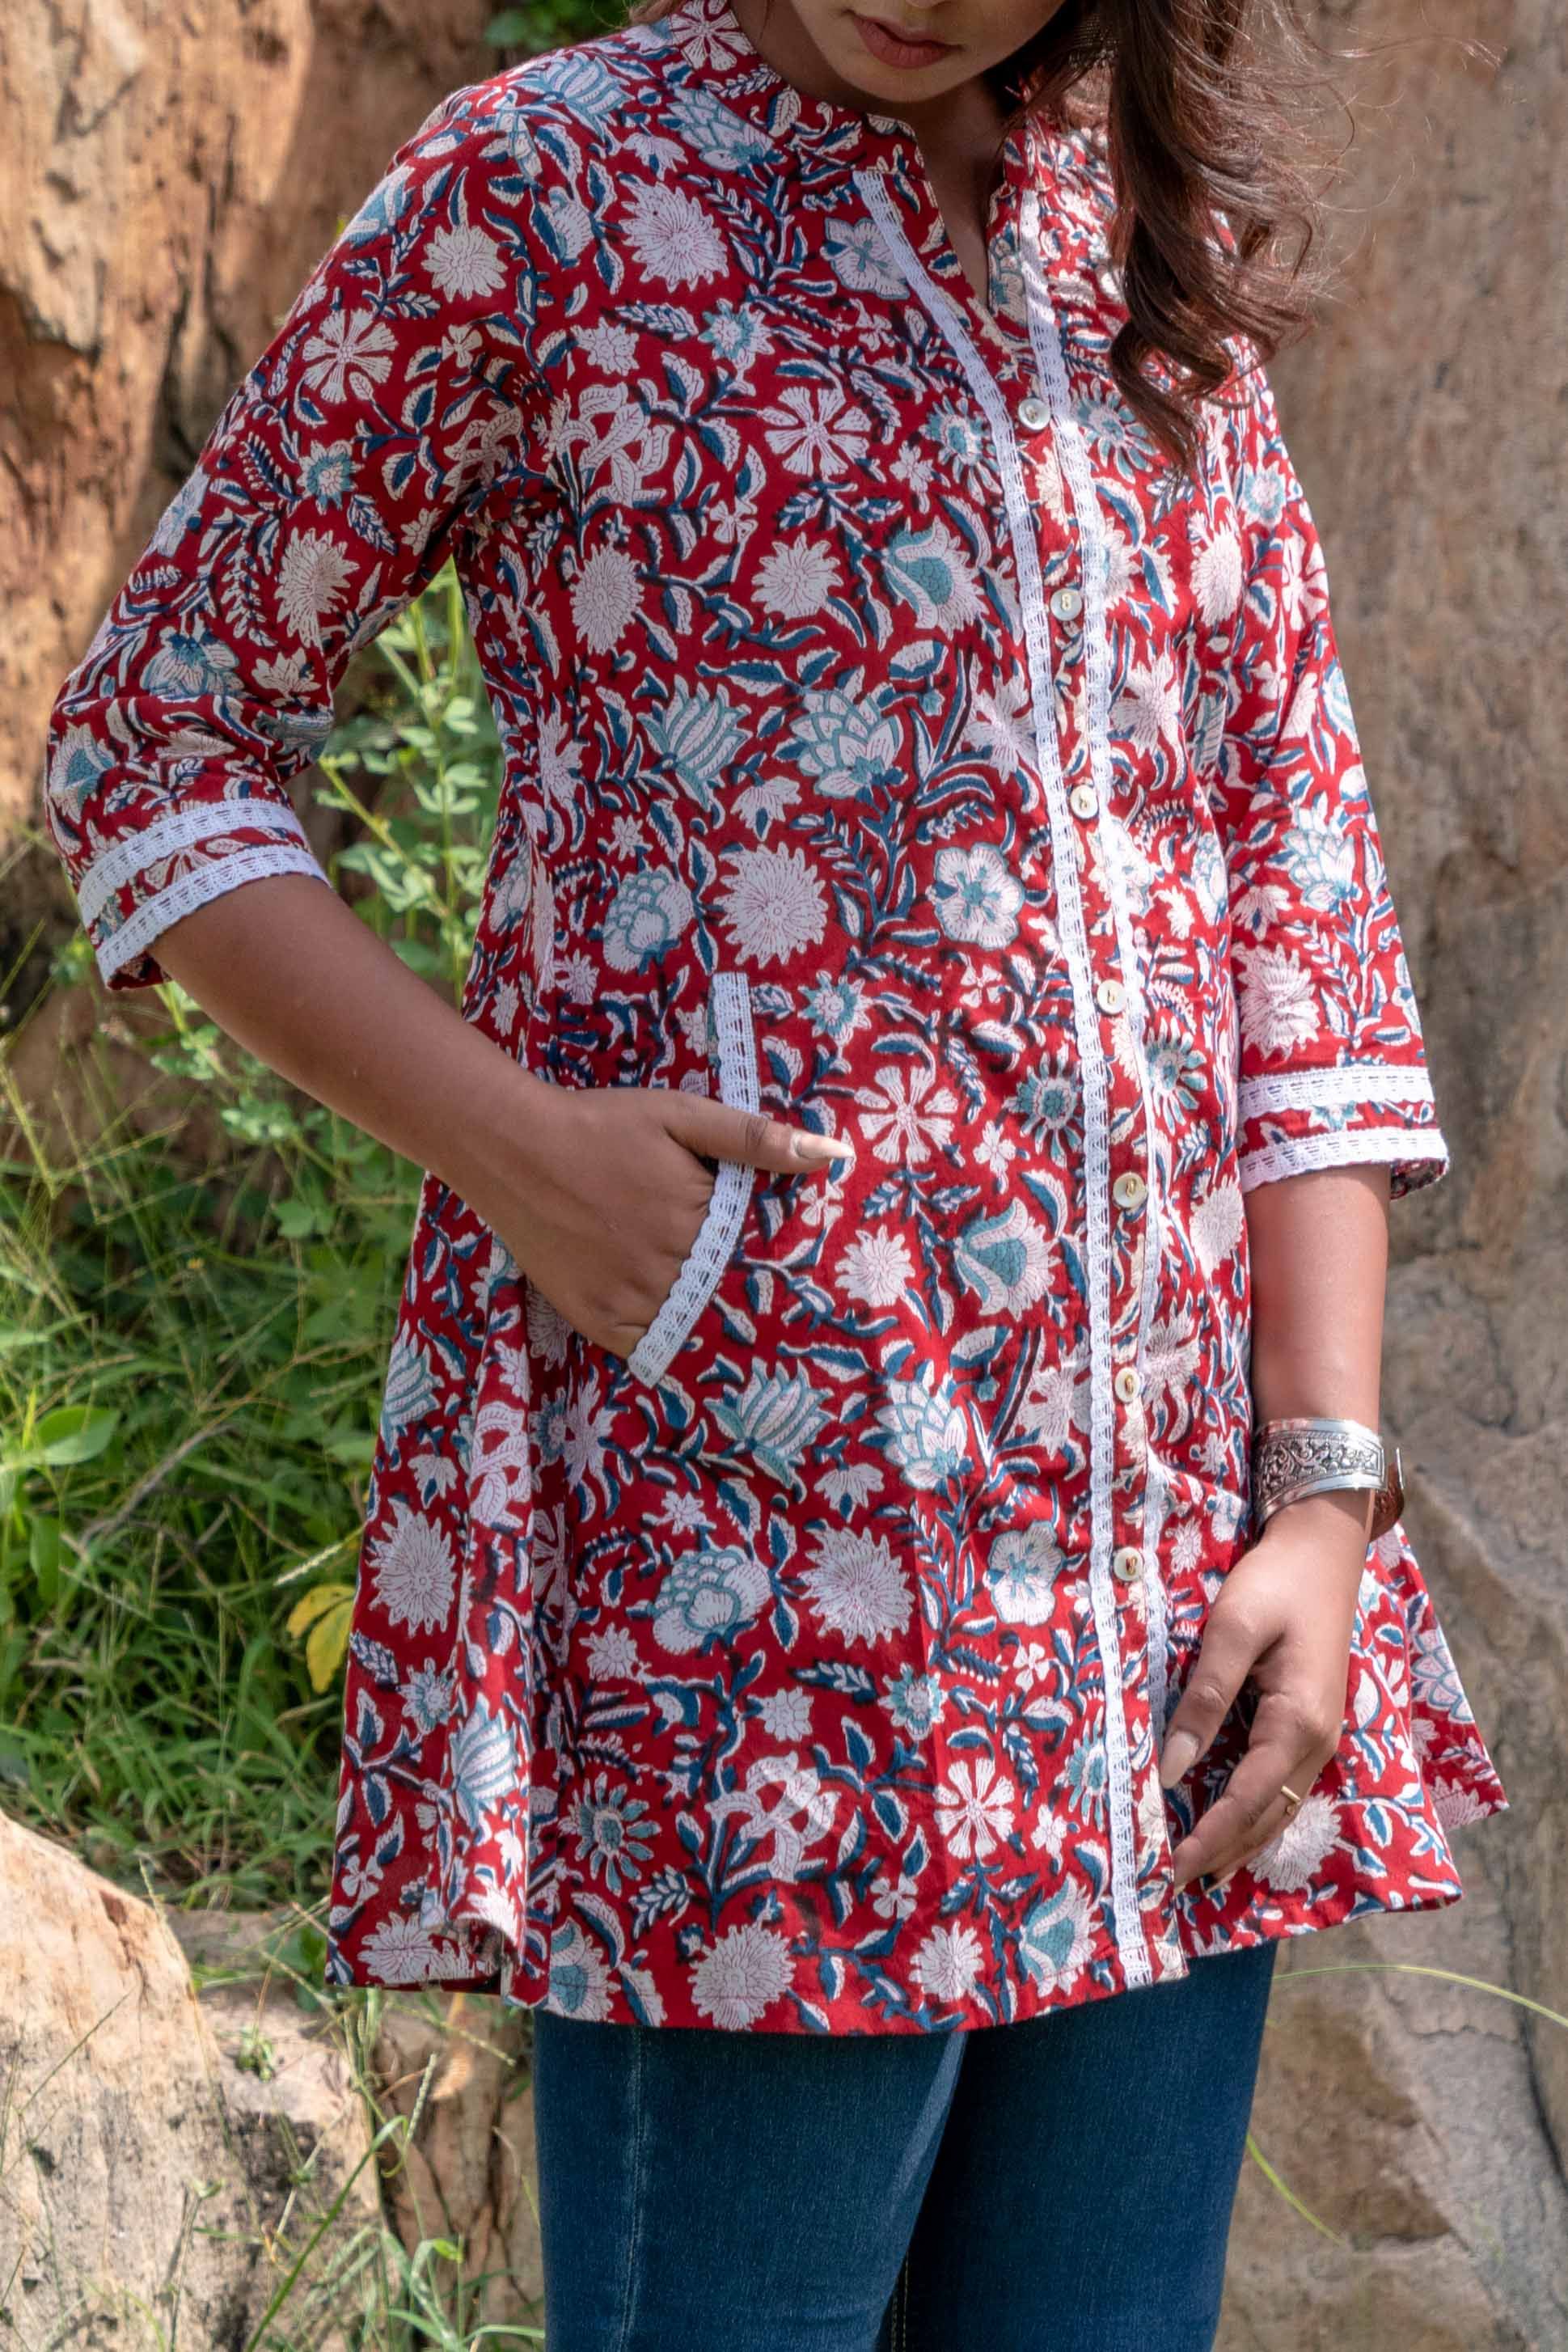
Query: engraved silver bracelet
(1311,1454)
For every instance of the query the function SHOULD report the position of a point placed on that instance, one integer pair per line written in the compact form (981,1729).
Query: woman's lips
(892,48)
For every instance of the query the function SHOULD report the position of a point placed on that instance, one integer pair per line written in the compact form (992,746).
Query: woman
(878,1527)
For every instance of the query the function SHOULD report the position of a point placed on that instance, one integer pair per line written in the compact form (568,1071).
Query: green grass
(191,1351)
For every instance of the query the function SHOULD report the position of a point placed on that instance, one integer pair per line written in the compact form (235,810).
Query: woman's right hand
(598,1191)
(613,1189)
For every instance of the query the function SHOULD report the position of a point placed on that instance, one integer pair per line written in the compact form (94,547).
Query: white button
(1110,995)
(1067,604)
(1084,799)
(1127,1562)
(1129,1189)
(1034,412)
(1126,1383)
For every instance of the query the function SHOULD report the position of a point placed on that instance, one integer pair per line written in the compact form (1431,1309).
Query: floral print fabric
(895,743)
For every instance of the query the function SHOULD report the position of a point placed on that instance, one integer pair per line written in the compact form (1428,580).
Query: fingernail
(1180,1749)
(821,1146)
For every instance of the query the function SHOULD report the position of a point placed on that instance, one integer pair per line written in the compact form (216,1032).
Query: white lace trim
(193,890)
(1083,499)
(1421,1151)
(1332,1089)
(1127,1925)
(166,837)
(729,1000)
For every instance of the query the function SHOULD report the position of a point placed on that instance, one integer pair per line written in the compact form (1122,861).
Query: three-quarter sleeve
(395,404)
(1331,1066)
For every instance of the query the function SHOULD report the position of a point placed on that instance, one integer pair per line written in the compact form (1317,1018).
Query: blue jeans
(1061,2185)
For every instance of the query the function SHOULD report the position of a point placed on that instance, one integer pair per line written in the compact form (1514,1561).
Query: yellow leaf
(329,1642)
(311,1605)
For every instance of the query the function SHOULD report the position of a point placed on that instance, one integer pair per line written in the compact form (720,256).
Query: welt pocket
(699,1277)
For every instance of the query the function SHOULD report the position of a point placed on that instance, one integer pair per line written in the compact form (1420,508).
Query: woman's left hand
(1284,1618)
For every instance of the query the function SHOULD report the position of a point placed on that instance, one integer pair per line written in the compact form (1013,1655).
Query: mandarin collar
(819,132)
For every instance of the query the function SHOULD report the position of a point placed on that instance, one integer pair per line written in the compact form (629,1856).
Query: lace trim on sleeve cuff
(192,890)
(1332,1089)
(1419,1156)
(166,837)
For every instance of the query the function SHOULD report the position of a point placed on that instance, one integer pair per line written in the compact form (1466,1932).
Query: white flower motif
(877,1267)
(1056,1402)
(894,1898)
(464,261)
(1291,1860)
(787,1714)
(1216,1225)
(1216,579)
(742,1975)
(1022,1572)
(974,1808)
(1186,1547)
(774,904)
(415,1574)
(1280,1008)
(613,1654)
(857,1587)
(312,573)
(797,579)
(350,352)
(605,596)
(909,1114)
(947,1964)
(1171,1362)
(1149,711)
(816,430)
(399,1951)
(1454,1805)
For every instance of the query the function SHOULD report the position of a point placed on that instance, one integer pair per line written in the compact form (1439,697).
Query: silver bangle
(1311,1454)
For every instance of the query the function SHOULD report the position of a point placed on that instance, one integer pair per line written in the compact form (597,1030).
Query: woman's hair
(1212,170)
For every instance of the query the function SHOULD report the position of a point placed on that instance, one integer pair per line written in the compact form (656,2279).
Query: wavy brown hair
(1206,110)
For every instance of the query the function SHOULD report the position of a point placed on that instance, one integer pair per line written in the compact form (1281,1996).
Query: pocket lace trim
(693,1285)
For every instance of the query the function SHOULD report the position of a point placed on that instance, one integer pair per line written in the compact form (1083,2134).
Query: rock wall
(165,2159)
(1425,2122)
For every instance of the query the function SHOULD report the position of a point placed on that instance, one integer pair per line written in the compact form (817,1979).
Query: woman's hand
(597,1191)
(1284,1618)
(611,1190)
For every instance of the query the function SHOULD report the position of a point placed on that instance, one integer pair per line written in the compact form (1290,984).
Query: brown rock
(163,2161)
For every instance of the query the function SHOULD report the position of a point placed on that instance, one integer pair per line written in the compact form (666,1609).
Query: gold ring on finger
(1290,1795)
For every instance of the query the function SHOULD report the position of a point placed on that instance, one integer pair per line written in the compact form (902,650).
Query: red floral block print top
(892,741)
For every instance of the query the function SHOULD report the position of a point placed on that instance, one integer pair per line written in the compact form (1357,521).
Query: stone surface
(164,2159)
(1426,2120)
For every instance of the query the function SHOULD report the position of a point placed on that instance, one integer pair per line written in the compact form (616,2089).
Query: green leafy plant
(192,1346)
